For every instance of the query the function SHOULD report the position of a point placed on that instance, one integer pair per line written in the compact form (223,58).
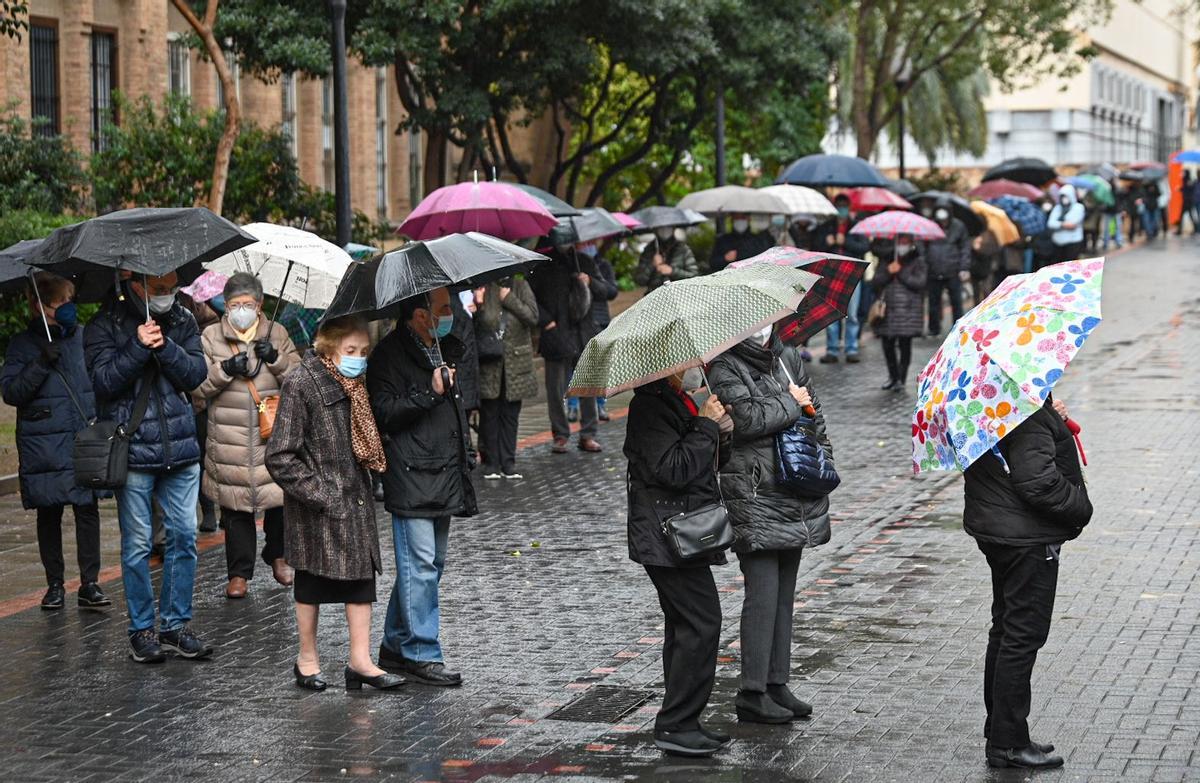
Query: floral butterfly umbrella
(1000,362)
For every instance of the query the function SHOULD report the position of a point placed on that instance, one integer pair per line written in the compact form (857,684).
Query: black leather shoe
(92,597)
(385,681)
(686,743)
(311,682)
(1025,758)
(786,699)
(753,707)
(891,385)
(718,736)
(54,598)
(431,673)
(390,661)
(1044,747)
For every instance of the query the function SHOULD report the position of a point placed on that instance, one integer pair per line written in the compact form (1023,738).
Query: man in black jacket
(418,409)
(949,264)
(1023,500)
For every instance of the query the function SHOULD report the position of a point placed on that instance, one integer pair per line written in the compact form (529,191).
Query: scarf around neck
(364,435)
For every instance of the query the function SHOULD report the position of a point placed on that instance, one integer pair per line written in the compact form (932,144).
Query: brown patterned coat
(327,498)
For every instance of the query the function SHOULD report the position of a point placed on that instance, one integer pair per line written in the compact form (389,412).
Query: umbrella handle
(287,273)
(809,410)
(41,307)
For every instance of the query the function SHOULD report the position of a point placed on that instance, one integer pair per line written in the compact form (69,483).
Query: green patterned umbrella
(686,324)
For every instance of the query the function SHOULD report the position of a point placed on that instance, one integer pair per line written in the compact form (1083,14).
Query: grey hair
(241,284)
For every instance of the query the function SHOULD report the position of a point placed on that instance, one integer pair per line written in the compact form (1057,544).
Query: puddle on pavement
(944,521)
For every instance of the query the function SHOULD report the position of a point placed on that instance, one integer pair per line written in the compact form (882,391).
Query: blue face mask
(444,325)
(352,366)
(66,315)
(589,250)
(218,303)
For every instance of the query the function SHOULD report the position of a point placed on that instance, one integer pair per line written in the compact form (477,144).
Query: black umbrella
(839,171)
(1143,175)
(667,217)
(1105,171)
(148,241)
(902,188)
(959,207)
(553,204)
(374,289)
(595,223)
(1031,171)
(14,265)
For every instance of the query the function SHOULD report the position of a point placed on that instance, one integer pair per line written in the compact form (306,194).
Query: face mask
(942,215)
(692,379)
(352,366)
(843,212)
(1066,202)
(218,303)
(589,250)
(903,250)
(664,234)
(66,315)
(740,226)
(444,324)
(763,335)
(162,304)
(243,318)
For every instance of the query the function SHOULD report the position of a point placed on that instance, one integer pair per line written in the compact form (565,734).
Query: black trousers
(951,285)
(241,538)
(498,421)
(87,542)
(1024,580)
(692,609)
(897,352)
(767,617)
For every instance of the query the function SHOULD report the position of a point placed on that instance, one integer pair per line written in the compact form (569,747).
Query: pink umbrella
(996,188)
(493,208)
(876,199)
(207,286)
(627,221)
(887,225)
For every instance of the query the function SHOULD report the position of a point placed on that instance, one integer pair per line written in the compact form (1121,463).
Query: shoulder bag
(704,531)
(489,343)
(266,406)
(805,469)
(101,453)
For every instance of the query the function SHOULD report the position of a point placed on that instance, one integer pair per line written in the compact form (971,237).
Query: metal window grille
(43,69)
(381,141)
(179,64)
(288,124)
(104,71)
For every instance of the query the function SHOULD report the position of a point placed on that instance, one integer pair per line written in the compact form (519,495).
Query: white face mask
(162,304)
(763,335)
(759,223)
(741,225)
(664,234)
(243,318)
(903,250)
(942,215)
(693,379)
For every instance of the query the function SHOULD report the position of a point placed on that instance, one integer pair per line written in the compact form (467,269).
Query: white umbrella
(291,264)
(735,199)
(800,200)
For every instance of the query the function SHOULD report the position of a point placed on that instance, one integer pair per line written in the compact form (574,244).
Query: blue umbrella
(1187,156)
(838,171)
(1027,215)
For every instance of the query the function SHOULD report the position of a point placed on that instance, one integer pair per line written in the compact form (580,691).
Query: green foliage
(16,225)
(13,19)
(937,179)
(37,172)
(944,113)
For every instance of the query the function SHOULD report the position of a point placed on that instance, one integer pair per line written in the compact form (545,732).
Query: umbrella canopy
(1191,157)
(902,187)
(1033,171)
(553,204)
(1001,360)
(998,222)
(291,263)
(829,298)
(928,201)
(207,286)
(14,264)
(1028,216)
(888,225)
(735,199)
(876,200)
(374,289)
(595,223)
(495,208)
(1105,171)
(667,217)
(147,241)
(628,221)
(361,252)
(802,201)
(1145,165)
(839,171)
(686,324)
(1100,189)
(1142,175)
(1005,187)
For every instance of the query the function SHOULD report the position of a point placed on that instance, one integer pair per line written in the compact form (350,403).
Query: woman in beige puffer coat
(244,348)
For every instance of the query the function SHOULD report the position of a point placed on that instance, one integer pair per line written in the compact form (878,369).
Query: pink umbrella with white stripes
(494,208)
(888,225)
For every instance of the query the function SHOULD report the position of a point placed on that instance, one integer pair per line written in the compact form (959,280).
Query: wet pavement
(541,605)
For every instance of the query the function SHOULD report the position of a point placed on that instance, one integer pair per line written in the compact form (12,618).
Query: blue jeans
(1111,229)
(833,332)
(176,493)
(413,618)
(1027,260)
(1150,222)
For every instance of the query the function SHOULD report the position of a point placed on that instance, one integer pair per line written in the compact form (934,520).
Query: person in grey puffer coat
(764,385)
(948,262)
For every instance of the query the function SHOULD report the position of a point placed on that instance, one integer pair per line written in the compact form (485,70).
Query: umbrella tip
(475,174)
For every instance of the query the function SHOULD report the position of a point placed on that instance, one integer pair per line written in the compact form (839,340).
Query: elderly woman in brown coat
(504,323)
(248,357)
(322,454)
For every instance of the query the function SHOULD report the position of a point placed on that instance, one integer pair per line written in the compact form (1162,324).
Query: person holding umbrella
(665,259)
(45,379)
(948,265)
(900,287)
(738,244)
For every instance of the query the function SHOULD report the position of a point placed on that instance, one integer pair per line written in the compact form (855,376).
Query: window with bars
(43,70)
(104,83)
(327,134)
(287,124)
(381,142)
(236,72)
(179,64)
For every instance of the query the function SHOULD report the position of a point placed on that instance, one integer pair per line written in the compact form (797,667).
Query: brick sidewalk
(889,641)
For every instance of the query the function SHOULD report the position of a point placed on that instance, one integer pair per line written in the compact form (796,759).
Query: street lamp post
(341,123)
(902,79)
(720,148)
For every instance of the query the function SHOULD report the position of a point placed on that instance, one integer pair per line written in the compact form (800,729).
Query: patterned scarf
(364,435)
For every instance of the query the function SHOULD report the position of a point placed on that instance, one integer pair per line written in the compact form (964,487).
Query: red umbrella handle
(1075,429)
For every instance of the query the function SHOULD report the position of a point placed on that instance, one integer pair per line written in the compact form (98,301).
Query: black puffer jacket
(424,434)
(947,257)
(1043,500)
(166,439)
(552,282)
(466,364)
(673,457)
(750,379)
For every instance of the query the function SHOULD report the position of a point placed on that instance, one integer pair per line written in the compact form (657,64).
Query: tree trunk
(435,160)
(233,108)
(860,96)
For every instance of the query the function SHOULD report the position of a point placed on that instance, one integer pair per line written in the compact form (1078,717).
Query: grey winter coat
(750,379)
(947,257)
(519,315)
(903,296)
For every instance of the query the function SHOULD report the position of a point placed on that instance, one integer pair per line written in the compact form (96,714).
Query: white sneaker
(492,476)
(513,476)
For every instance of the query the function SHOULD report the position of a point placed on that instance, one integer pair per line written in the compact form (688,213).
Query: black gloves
(238,364)
(50,353)
(265,351)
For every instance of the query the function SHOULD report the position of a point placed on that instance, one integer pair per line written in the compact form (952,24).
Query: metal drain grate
(602,704)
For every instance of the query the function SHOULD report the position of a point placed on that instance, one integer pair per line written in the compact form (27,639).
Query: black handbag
(704,531)
(805,468)
(489,343)
(101,453)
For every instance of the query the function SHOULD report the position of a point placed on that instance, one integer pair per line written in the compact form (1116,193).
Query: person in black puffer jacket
(1020,508)
(142,335)
(45,380)
(766,388)
(674,448)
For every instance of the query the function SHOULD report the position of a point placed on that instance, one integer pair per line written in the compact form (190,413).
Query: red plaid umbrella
(829,298)
(887,225)
(996,188)
(876,199)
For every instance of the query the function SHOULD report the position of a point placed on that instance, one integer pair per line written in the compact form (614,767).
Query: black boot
(713,734)
(758,707)
(685,743)
(1030,757)
(786,699)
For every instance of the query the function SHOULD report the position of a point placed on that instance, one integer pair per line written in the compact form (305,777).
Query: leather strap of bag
(258,403)
(74,399)
(142,402)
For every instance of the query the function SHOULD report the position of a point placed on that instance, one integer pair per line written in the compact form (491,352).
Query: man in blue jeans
(143,355)
(418,408)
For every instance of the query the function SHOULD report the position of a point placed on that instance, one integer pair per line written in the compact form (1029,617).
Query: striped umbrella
(686,324)
(888,225)
(829,298)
